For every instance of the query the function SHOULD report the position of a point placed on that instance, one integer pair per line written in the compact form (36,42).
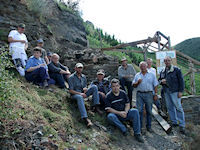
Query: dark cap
(49,53)
(40,41)
(21,25)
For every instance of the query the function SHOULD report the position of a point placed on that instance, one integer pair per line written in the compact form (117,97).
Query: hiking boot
(139,138)
(182,130)
(150,130)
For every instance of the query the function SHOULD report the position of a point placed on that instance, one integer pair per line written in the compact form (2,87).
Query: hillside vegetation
(190,47)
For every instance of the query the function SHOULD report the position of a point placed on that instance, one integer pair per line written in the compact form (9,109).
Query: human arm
(11,40)
(34,68)
(180,83)
(46,59)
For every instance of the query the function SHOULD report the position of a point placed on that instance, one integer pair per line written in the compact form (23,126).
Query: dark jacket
(56,68)
(102,87)
(174,79)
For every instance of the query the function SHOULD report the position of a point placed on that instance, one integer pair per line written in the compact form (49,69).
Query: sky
(132,20)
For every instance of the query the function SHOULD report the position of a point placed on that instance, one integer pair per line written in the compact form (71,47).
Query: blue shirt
(32,62)
(116,102)
(148,83)
(77,84)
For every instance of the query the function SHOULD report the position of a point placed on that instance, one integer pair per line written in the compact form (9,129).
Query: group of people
(44,69)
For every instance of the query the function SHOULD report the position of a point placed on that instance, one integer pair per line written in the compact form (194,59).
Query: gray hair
(150,59)
(114,81)
(143,62)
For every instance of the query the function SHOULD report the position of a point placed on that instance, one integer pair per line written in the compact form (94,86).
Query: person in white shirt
(149,66)
(18,45)
(153,70)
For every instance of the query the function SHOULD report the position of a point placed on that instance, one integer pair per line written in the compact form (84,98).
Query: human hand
(179,94)
(163,81)
(123,114)
(85,90)
(84,95)
(22,41)
(139,81)
(102,94)
(155,97)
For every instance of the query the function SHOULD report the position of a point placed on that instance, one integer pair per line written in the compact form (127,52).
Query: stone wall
(191,106)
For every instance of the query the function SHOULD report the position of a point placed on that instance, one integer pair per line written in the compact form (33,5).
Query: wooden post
(169,43)
(192,78)
(145,52)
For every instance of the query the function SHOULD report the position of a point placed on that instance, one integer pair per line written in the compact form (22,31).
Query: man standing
(78,90)
(40,43)
(18,45)
(36,69)
(57,71)
(103,86)
(146,84)
(126,73)
(118,108)
(172,82)
(153,70)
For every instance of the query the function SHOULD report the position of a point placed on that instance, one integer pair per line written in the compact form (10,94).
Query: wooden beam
(161,121)
(125,50)
(154,39)
(187,73)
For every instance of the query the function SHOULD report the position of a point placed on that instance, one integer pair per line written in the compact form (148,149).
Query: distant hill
(190,47)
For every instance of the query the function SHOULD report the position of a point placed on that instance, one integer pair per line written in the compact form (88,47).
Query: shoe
(45,83)
(139,138)
(88,122)
(174,125)
(182,130)
(125,133)
(150,130)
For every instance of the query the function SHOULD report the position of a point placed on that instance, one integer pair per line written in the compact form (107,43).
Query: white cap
(79,65)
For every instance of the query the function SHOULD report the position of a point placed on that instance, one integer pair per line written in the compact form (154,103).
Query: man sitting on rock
(58,72)
(118,108)
(18,45)
(78,90)
(36,70)
(103,86)
(40,43)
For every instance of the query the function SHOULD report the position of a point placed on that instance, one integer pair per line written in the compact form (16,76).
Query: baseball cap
(49,53)
(79,65)
(40,41)
(100,71)
(21,25)
(123,59)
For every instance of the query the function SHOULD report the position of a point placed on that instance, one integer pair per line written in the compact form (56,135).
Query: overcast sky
(131,20)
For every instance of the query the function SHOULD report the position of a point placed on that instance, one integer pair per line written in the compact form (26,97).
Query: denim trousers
(59,78)
(93,90)
(128,84)
(37,76)
(133,115)
(147,100)
(174,108)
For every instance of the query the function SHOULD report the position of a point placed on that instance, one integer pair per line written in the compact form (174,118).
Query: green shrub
(7,90)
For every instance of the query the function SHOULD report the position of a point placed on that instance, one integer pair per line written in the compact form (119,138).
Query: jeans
(133,115)
(59,78)
(38,76)
(147,100)
(128,84)
(93,90)
(174,108)
(158,104)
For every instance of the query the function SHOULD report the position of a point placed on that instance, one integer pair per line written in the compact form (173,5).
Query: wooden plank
(125,50)
(167,128)
(154,39)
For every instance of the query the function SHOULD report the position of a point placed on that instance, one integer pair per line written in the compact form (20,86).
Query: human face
(124,63)
(55,59)
(115,87)
(143,67)
(21,30)
(79,70)
(100,77)
(40,44)
(168,62)
(37,54)
(149,63)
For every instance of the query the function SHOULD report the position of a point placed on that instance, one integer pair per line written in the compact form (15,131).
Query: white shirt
(152,70)
(17,48)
